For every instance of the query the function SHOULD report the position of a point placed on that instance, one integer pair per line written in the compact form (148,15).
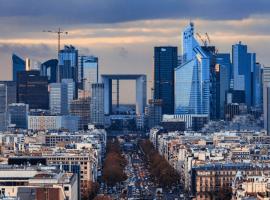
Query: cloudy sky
(122,33)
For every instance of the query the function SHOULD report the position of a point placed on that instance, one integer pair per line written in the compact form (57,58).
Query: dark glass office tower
(49,69)
(68,63)
(165,59)
(11,91)
(32,89)
(18,65)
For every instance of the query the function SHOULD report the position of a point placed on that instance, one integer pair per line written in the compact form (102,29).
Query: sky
(122,33)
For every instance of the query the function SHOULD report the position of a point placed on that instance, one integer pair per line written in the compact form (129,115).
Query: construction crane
(59,32)
(204,41)
(208,38)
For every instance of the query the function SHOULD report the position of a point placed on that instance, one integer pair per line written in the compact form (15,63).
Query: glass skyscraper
(166,60)
(192,78)
(18,65)
(32,89)
(88,71)
(49,69)
(68,63)
(244,64)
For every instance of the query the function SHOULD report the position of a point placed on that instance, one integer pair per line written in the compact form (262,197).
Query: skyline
(124,41)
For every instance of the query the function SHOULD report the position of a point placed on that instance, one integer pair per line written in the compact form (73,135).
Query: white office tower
(97,104)
(58,98)
(88,72)
(70,90)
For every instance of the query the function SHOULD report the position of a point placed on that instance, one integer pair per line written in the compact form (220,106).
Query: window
(66,188)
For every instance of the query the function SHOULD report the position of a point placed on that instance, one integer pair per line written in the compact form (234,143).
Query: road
(139,184)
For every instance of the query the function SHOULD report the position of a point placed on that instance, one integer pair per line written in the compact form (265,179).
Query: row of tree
(114,164)
(166,175)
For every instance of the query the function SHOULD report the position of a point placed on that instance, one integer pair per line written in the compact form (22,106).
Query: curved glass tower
(192,78)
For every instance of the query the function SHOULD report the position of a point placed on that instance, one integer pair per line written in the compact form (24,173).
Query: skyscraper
(257,96)
(97,104)
(68,63)
(266,81)
(166,60)
(267,111)
(59,98)
(70,90)
(244,64)
(221,83)
(88,71)
(11,91)
(32,89)
(3,107)
(81,108)
(49,69)
(18,65)
(192,78)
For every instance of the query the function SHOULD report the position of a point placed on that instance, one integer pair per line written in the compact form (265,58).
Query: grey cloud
(70,12)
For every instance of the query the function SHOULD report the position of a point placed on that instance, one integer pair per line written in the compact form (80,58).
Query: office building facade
(32,89)
(18,65)
(18,115)
(11,91)
(244,64)
(97,104)
(192,78)
(3,107)
(266,81)
(49,69)
(153,112)
(165,61)
(81,108)
(88,72)
(58,98)
(71,90)
(68,63)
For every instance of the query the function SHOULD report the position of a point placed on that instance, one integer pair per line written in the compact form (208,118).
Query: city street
(140,184)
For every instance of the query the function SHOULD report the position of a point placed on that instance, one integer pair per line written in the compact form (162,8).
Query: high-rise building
(81,108)
(97,104)
(267,113)
(3,107)
(243,64)
(32,89)
(153,112)
(58,98)
(18,65)
(18,114)
(266,81)
(221,83)
(166,60)
(68,63)
(49,69)
(11,91)
(257,96)
(88,72)
(192,78)
(70,90)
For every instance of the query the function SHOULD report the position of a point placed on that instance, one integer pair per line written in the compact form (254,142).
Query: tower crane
(59,32)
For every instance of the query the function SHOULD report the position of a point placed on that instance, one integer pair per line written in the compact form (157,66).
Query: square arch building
(141,88)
